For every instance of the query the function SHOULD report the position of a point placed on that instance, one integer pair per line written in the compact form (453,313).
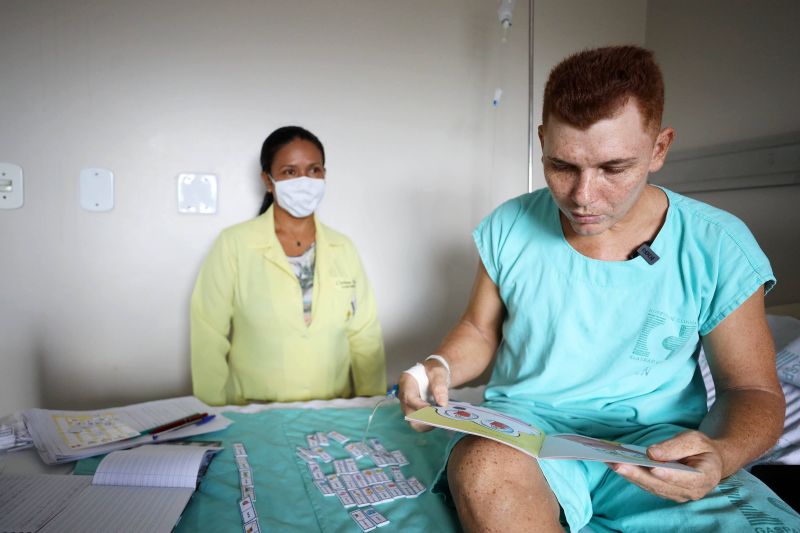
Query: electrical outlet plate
(11,186)
(197,193)
(97,189)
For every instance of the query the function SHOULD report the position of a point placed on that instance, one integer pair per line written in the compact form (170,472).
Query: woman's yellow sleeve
(367,357)
(211,313)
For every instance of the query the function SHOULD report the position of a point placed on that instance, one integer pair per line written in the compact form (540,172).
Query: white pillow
(786,332)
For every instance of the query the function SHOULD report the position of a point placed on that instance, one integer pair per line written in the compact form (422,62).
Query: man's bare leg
(497,488)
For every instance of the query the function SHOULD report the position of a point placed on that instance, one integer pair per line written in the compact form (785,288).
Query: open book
(483,422)
(143,489)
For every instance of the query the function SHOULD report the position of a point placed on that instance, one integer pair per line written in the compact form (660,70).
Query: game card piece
(305,454)
(249,492)
(338,437)
(376,445)
(405,489)
(239,450)
(416,486)
(394,492)
(351,465)
(382,459)
(245,504)
(359,497)
(348,482)
(339,466)
(382,493)
(245,478)
(322,439)
(370,494)
(335,483)
(312,441)
(400,458)
(242,464)
(358,477)
(397,473)
(361,519)
(252,527)
(248,515)
(375,517)
(345,498)
(324,488)
(316,471)
(380,475)
(354,449)
(324,456)
(369,476)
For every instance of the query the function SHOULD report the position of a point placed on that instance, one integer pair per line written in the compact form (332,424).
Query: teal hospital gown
(609,349)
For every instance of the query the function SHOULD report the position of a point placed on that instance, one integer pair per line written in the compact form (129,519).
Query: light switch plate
(197,193)
(97,189)
(11,186)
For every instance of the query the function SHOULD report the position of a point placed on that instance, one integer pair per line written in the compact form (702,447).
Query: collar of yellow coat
(266,238)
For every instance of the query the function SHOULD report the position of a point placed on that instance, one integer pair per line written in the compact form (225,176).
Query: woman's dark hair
(277,140)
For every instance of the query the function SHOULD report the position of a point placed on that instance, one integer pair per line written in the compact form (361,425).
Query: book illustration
(491,424)
(84,431)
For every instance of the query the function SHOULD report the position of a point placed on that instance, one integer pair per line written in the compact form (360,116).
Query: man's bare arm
(468,348)
(747,417)
(745,420)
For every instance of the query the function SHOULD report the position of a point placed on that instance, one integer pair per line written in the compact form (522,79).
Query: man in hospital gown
(592,300)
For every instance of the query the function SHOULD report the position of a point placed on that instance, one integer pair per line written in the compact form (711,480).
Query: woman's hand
(692,448)
(412,398)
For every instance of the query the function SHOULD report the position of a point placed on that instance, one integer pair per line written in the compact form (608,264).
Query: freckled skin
(492,482)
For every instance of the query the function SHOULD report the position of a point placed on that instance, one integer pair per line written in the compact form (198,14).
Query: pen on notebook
(203,420)
(175,424)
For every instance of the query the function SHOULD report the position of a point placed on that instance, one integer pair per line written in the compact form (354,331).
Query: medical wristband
(444,363)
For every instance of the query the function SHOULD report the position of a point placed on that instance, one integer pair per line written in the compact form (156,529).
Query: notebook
(63,436)
(142,489)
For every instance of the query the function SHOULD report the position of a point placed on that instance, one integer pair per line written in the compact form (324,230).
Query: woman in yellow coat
(282,309)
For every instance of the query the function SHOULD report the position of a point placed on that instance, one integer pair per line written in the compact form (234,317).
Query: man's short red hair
(594,84)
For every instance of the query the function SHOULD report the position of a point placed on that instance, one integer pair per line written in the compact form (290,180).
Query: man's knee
(485,475)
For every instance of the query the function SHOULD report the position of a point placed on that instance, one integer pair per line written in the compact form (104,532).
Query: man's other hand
(691,448)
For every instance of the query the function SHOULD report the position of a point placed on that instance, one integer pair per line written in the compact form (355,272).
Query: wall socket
(11,186)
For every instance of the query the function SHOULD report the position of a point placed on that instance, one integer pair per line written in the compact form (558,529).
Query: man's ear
(660,148)
(540,130)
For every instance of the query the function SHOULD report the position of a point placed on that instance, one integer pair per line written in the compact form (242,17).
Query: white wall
(565,27)
(732,73)
(94,308)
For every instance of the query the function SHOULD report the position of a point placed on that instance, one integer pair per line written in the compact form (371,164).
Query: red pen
(191,419)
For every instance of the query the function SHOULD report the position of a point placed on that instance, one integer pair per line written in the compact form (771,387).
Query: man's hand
(409,394)
(691,448)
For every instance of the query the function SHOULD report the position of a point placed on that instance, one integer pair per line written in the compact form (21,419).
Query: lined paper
(131,509)
(161,465)
(28,502)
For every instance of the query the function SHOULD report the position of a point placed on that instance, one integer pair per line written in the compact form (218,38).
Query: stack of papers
(63,436)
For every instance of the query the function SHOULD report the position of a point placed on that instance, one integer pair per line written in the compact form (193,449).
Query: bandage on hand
(420,375)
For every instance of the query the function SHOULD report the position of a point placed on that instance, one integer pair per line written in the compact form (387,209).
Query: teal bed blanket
(286,498)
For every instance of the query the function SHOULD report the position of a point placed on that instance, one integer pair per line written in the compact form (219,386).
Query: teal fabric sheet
(286,498)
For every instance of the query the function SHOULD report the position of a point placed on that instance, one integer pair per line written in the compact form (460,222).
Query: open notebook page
(28,502)
(102,509)
(161,465)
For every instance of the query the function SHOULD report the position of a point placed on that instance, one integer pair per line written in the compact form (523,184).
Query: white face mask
(299,196)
